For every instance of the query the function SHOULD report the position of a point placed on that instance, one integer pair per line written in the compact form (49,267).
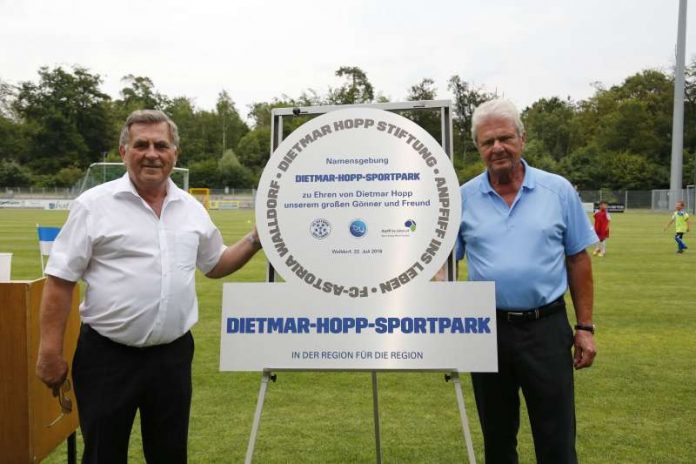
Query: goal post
(99,173)
(201,194)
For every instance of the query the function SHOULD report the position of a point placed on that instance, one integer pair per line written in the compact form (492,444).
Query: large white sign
(358,203)
(435,326)
(357,209)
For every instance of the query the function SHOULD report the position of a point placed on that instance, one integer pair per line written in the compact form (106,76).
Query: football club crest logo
(320,228)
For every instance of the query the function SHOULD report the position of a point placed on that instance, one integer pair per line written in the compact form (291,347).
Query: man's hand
(51,366)
(585,350)
(51,369)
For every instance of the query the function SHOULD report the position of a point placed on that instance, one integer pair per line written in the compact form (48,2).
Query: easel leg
(257,416)
(454,376)
(375,407)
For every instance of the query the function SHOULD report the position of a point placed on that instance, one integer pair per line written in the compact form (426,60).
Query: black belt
(532,314)
(87,329)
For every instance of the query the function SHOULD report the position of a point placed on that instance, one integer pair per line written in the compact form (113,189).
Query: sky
(259,50)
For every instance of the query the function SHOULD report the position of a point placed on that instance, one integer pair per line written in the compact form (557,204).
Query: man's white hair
(500,108)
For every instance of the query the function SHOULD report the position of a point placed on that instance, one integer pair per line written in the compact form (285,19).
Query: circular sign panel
(358,202)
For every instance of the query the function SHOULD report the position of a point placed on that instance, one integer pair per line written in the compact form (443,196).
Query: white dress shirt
(139,269)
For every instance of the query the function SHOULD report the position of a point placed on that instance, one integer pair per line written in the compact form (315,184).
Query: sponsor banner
(358,203)
(436,326)
(35,204)
(611,207)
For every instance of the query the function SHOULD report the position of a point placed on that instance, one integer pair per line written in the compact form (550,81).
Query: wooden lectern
(27,406)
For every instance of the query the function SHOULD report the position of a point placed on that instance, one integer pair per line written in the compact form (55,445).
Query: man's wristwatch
(588,327)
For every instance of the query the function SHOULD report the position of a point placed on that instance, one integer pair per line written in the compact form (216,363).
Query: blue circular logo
(411,224)
(358,228)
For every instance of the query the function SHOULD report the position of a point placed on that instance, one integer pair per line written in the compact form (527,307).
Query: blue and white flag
(46,237)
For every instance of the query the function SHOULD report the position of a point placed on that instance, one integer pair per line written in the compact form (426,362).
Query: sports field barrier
(61,198)
(230,198)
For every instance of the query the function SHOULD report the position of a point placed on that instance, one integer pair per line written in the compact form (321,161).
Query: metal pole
(448,146)
(625,200)
(454,376)
(257,417)
(675,183)
(224,134)
(375,407)
(276,140)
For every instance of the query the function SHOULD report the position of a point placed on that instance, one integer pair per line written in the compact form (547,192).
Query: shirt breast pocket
(186,250)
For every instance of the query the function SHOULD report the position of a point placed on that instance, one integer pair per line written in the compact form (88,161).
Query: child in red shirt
(601,227)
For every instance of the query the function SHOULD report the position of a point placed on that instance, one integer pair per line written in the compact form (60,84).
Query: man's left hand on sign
(585,350)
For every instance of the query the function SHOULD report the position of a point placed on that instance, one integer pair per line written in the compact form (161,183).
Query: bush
(14,175)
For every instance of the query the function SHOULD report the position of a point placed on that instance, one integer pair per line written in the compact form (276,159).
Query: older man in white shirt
(136,243)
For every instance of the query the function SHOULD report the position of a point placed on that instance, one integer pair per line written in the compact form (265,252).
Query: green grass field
(637,404)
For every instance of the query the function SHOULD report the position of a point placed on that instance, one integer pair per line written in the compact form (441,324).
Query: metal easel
(267,375)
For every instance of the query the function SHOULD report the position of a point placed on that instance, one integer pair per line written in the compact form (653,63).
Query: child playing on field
(601,227)
(682,223)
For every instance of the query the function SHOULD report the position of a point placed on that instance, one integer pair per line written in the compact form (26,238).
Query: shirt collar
(529,181)
(125,185)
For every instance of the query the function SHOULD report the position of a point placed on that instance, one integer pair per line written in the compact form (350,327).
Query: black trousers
(112,381)
(533,356)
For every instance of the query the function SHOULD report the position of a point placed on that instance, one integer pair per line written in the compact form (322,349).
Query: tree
(635,116)
(618,138)
(67,118)
(13,139)
(7,96)
(199,139)
(232,126)
(254,148)
(625,170)
(68,176)
(690,109)
(548,121)
(201,131)
(260,112)
(204,173)
(428,119)
(536,155)
(470,170)
(356,89)
(424,90)
(582,167)
(233,173)
(466,99)
(14,175)
(631,127)
(139,94)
